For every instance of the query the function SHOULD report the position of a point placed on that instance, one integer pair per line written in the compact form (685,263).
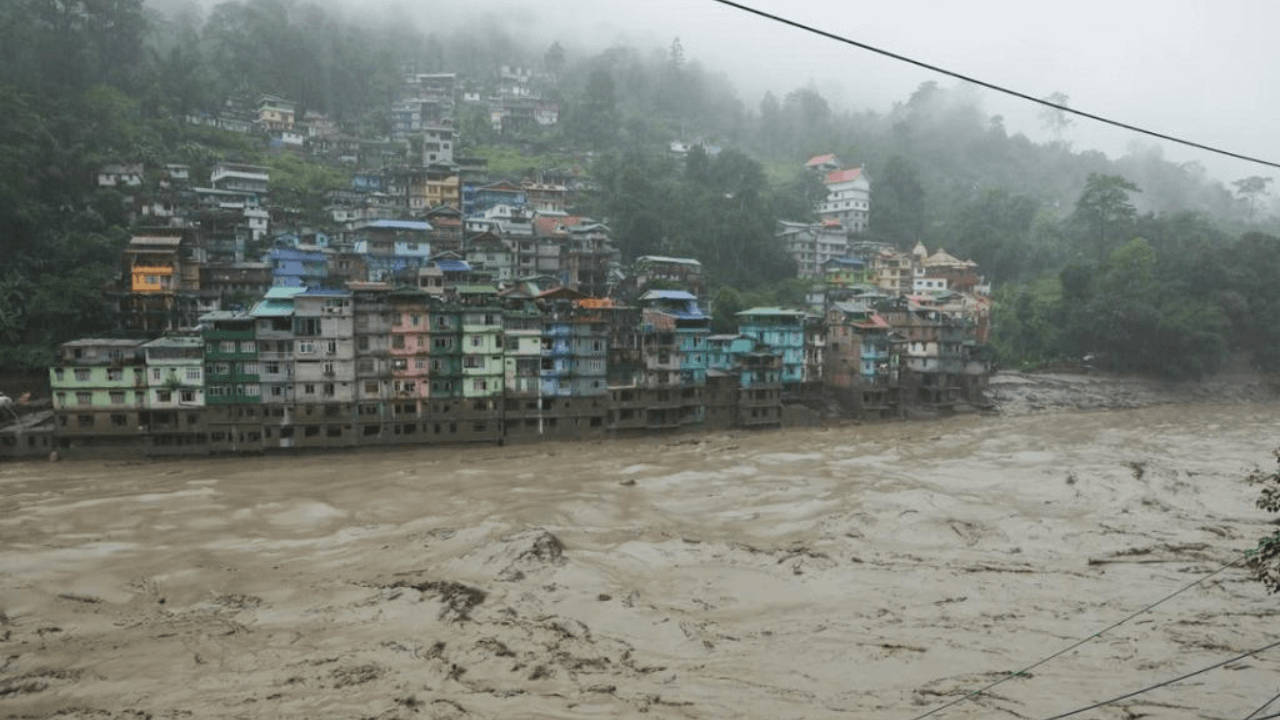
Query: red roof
(875,322)
(555,225)
(548,227)
(820,160)
(843,175)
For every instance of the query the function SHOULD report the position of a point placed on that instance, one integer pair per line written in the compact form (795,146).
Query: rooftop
(416,225)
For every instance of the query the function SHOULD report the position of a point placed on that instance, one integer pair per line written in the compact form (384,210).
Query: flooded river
(855,572)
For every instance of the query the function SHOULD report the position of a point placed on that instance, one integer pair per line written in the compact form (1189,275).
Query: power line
(1251,715)
(991,86)
(1082,641)
(1180,678)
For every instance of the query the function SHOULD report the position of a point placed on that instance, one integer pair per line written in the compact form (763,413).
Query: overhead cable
(1251,716)
(1082,641)
(991,86)
(1180,678)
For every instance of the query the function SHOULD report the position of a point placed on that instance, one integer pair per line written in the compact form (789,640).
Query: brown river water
(876,571)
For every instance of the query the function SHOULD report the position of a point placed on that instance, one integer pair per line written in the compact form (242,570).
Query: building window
(164,396)
(249,369)
(188,396)
(227,346)
(272,368)
(115,374)
(306,348)
(84,398)
(84,420)
(117,398)
(397,342)
(480,384)
(82,374)
(59,374)
(328,389)
(193,374)
(333,347)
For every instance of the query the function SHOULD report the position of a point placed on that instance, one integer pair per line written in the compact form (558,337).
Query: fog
(1195,70)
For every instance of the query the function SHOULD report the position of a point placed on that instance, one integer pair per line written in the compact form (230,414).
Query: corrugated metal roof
(453,265)
(668,295)
(419,225)
(771,311)
(278,292)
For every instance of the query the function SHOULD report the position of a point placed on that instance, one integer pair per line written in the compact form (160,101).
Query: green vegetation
(1265,559)
(1148,265)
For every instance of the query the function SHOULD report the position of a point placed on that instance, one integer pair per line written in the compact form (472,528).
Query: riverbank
(1019,393)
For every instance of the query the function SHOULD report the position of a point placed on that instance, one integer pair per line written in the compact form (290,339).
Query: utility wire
(1082,641)
(990,86)
(1251,715)
(1180,678)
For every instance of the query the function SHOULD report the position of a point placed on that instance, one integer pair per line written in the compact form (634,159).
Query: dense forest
(1144,264)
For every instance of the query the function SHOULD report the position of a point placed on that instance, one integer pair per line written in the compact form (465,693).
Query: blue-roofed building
(273,331)
(781,331)
(692,326)
(293,267)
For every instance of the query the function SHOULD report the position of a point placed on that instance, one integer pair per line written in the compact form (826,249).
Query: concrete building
(813,245)
(782,332)
(99,391)
(848,200)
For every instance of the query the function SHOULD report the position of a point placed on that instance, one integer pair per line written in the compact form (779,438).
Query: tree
(1251,188)
(554,59)
(1055,119)
(897,204)
(1104,207)
(599,108)
(1264,560)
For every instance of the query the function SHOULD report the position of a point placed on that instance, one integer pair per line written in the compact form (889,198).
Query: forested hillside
(1147,264)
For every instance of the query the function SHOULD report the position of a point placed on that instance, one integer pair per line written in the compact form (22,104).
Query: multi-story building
(99,391)
(848,200)
(324,350)
(445,369)
(410,352)
(782,332)
(240,178)
(274,338)
(233,383)
(372,318)
(176,395)
(813,245)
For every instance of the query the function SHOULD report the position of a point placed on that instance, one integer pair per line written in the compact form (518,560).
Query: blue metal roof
(668,295)
(453,265)
(419,225)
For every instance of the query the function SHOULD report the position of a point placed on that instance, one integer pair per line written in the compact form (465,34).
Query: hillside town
(440,303)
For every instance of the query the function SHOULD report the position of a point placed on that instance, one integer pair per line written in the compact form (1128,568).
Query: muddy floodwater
(877,571)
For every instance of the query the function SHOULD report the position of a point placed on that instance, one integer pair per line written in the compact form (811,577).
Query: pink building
(410,351)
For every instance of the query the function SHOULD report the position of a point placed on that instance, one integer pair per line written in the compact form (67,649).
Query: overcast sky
(1202,70)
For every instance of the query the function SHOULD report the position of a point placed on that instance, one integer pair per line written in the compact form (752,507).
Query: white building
(848,200)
